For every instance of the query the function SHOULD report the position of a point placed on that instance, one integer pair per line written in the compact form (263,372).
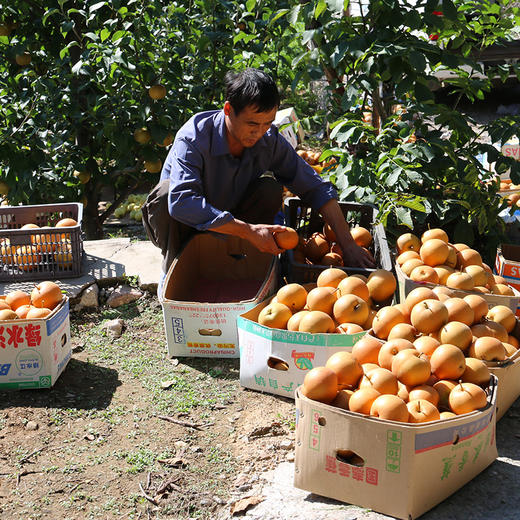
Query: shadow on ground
(82,385)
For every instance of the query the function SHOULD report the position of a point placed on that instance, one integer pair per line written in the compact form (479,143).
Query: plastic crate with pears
(317,248)
(31,248)
(285,336)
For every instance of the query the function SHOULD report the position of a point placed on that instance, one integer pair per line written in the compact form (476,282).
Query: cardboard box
(508,376)
(507,264)
(261,347)
(33,353)
(211,282)
(404,469)
(291,127)
(406,285)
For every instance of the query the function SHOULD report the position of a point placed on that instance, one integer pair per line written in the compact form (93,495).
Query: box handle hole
(64,340)
(210,332)
(277,364)
(350,457)
(456,439)
(322,421)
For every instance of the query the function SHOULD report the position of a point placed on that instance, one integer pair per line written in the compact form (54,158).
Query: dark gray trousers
(261,202)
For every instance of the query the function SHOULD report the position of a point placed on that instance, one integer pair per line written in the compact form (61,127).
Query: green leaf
(414,204)
(293,14)
(320,8)
(105,33)
(77,67)
(118,35)
(277,15)
(336,6)
(96,7)
(417,60)
(422,92)
(250,5)
(449,10)
(49,13)
(404,216)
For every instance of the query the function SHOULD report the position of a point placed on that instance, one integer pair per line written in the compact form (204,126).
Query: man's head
(252,100)
(251,87)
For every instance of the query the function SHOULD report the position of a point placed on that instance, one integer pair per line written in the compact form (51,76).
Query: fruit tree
(414,155)
(92,92)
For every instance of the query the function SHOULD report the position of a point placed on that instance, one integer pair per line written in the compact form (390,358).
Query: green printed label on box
(393,451)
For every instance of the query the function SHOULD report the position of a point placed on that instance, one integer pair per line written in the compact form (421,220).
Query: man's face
(248,126)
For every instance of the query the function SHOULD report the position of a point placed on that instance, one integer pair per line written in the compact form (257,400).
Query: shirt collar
(219,145)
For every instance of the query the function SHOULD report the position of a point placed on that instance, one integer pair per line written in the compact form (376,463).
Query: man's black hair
(251,87)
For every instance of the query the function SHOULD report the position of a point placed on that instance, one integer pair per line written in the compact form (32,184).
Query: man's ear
(227,108)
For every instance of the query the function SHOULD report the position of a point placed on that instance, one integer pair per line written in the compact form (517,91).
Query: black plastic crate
(308,221)
(40,253)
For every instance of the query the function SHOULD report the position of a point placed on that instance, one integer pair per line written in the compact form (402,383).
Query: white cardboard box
(293,132)
(210,283)
(508,376)
(403,469)
(33,353)
(406,285)
(261,347)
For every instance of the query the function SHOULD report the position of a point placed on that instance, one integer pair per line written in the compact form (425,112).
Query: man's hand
(355,256)
(262,237)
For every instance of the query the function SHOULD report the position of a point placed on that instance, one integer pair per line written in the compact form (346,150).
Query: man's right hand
(262,237)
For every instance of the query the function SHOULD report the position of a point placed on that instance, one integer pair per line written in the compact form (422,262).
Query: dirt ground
(127,432)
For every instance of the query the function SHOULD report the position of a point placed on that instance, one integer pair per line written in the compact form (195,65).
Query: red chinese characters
(16,336)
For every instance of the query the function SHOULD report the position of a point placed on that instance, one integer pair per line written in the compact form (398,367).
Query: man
(214,178)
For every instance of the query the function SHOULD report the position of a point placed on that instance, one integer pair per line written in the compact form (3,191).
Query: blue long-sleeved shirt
(207,182)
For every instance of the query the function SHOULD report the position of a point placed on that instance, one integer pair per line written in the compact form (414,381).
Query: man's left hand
(355,256)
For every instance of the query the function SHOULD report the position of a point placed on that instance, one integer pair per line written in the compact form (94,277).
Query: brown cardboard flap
(214,269)
(511,252)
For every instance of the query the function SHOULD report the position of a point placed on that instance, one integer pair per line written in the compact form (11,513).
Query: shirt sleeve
(292,171)
(186,201)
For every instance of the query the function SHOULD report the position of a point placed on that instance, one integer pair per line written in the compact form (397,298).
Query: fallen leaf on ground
(244,503)
(174,461)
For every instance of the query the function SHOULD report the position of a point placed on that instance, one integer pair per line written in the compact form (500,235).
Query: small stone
(114,327)
(290,457)
(196,449)
(241,480)
(90,437)
(31,425)
(245,487)
(218,500)
(287,444)
(264,455)
(206,502)
(180,445)
(89,298)
(123,295)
